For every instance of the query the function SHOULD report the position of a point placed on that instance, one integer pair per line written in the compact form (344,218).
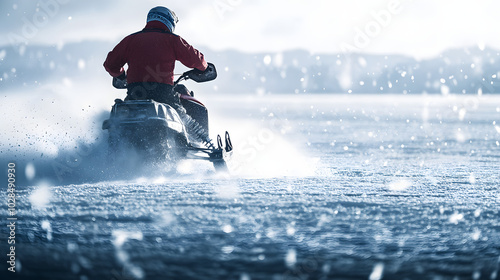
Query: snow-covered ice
(368,187)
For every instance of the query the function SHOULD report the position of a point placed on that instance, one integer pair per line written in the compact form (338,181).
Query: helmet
(163,15)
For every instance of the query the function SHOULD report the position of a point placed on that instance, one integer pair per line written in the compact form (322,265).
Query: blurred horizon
(420,29)
(461,71)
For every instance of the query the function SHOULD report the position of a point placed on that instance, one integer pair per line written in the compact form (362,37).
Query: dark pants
(158,92)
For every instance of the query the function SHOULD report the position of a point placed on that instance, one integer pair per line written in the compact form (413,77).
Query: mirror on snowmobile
(203,76)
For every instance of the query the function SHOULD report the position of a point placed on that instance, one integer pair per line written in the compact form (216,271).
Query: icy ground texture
(402,188)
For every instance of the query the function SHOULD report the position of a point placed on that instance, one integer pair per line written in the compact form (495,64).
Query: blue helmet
(163,15)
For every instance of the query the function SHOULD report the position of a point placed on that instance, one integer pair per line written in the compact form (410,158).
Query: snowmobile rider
(151,55)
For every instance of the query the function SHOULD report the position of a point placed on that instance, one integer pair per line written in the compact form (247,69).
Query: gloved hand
(120,82)
(123,76)
(203,76)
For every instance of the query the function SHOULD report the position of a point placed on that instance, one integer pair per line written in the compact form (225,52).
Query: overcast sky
(420,28)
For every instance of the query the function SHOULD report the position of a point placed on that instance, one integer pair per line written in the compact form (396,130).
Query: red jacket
(151,55)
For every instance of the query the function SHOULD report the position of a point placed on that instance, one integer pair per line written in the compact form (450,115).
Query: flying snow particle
(30,171)
(472,178)
(323,219)
(185,167)
(81,64)
(72,247)
(477,212)
(456,217)
(46,226)
(445,90)
(362,62)
(227,191)
(121,236)
(166,218)
(160,180)
(278,60)
(283,74)
(345,80)
(460,137)
(378,271)
(267,60)
(3,53)
(227,228)
(59,45)
(227,249)
(400,185)
(462,113)
(291,258)
(41,197)
(497,128)
(67,82)
(22,50)
(476,235)
(481,46)
(260,91)
(271,233)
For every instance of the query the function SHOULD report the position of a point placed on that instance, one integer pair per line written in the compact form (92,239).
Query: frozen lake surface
(323,187)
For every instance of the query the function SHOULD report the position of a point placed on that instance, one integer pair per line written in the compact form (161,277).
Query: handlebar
(196,75)
(199,76)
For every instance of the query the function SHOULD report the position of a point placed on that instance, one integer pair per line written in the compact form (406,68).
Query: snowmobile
(158,133)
